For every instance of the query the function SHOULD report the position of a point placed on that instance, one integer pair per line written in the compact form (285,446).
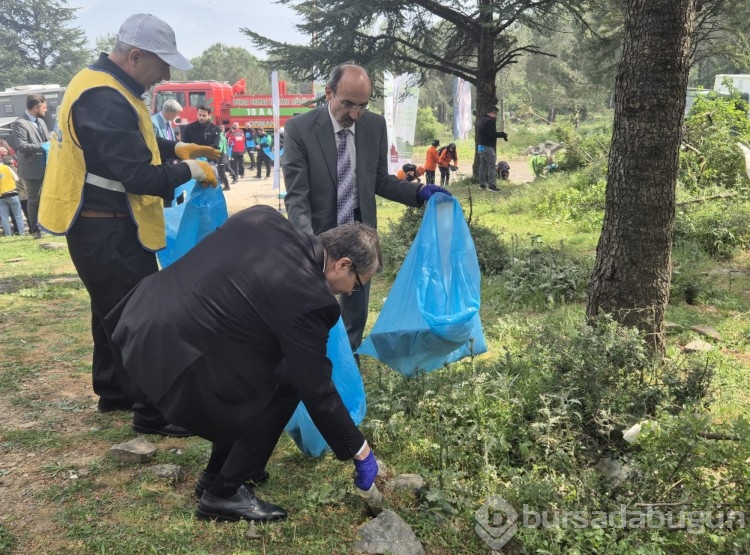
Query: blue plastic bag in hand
(348,383)
(205,211)
(172,217)
(431,315)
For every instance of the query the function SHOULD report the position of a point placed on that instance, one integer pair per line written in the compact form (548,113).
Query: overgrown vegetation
(539,419)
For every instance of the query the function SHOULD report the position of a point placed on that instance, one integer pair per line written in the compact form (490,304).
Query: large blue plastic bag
(431,315)
(172,217)
(348,383)
(205,211)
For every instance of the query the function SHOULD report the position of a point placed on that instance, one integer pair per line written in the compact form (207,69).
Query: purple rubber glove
(365,471)
(428,190)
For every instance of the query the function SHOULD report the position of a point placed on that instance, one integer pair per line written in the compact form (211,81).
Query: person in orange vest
(431,160)
(447,155)
(410,172)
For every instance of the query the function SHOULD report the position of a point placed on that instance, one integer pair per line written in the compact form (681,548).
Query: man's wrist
(363,453)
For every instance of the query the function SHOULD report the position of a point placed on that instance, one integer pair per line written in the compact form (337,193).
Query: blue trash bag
(431,315)
(172,217)
(205,211)
(348,382)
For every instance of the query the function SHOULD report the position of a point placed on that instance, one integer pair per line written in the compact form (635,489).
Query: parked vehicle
(228,107)
(13,104)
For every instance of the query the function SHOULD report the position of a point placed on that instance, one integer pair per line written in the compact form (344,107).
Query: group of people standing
(446,158)
(225,342)
(233,143)
(22,165)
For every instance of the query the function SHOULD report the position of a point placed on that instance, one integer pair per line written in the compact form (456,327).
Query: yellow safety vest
(7,182)
(62,190)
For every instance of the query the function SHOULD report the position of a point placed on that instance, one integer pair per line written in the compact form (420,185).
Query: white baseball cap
(150,33)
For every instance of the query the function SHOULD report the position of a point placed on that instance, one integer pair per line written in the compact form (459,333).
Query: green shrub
(492,252)
(589,149)
(582,203)
(712,158)
(428,127)
(543,277)
(720,228)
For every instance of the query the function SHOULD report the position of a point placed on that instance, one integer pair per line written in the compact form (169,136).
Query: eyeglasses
(358,286)
(350,106)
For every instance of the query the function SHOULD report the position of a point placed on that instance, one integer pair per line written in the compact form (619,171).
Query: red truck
(227,107)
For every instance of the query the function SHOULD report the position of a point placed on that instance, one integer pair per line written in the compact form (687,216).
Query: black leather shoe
(242,505)
(206,479)
(169,430)
(111,405)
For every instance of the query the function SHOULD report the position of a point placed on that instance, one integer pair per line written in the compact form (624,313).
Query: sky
(197,24)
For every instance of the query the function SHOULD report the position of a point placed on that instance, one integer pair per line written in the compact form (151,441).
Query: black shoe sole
(159,431)
(233,518)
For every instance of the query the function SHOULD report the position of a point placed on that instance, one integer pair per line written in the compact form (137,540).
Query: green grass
(471,430)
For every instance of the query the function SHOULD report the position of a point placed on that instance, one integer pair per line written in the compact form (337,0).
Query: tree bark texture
(632,274)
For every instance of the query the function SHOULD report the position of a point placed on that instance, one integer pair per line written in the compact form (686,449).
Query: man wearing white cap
(105,185)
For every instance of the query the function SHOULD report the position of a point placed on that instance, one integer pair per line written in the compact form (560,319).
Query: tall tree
(631,277)
(469,39)
(230,63)
(36,35)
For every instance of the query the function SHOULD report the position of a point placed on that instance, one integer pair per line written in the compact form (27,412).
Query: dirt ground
(250,191)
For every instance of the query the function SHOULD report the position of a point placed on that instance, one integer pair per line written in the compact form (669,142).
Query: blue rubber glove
(429,189)
(365,471)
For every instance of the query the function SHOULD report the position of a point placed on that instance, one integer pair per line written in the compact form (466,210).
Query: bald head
(348,93)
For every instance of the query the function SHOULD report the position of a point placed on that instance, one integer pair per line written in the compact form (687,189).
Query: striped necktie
(345,191)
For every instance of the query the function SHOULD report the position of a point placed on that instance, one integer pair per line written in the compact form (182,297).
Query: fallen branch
(704,199)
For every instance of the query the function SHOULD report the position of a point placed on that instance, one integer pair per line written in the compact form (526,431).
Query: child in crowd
(9,201)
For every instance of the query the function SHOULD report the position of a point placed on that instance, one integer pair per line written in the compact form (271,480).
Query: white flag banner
(400,103)
(275,106)
(462,118)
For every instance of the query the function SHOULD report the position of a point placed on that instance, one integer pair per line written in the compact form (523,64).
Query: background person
(11,160)
(236,142)
(487,136)
(162,120)
(262,141)
(202,131)
(10,205)
(105,183)
(28,133)
(335,161)
(244,342)
(250,144)
(447,162)
(431,161)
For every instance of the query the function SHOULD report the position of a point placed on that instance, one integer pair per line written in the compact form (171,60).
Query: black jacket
(487,133)
(211,338)
(206,135)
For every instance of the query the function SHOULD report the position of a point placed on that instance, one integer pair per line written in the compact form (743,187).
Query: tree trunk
(486,87)
(631,277)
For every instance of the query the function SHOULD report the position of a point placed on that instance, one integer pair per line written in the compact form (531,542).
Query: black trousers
(263,160)
(238,163)
(429,176)
(445,176)
(246,459)
(110,262)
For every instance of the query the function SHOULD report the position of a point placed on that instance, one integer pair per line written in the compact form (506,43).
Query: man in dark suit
(334,146)
(230,338)
(29,131)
